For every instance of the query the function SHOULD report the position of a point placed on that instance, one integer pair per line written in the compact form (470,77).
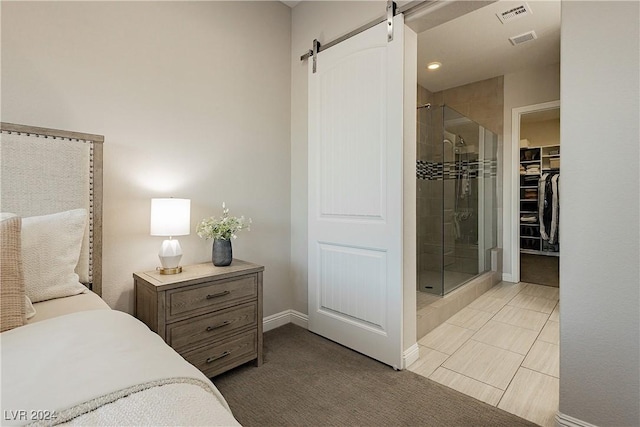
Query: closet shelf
(544,158)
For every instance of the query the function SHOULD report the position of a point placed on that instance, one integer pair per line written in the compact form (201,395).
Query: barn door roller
(317,47)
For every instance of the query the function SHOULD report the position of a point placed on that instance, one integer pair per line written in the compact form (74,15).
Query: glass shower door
(469,199)
(457,199)
(429,201)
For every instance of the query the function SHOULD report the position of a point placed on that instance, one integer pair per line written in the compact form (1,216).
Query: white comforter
(102,367)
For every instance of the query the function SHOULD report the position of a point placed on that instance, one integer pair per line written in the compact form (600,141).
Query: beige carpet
(307,380)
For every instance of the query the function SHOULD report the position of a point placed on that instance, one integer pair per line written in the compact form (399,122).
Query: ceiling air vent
(514,12)
(523,38)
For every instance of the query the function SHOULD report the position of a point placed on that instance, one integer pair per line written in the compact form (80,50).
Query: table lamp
(170,217)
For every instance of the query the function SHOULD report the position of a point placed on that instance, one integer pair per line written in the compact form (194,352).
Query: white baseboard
(565,420)
(284,317)
(276,320)
(410,355)
(507,277)
(299,319)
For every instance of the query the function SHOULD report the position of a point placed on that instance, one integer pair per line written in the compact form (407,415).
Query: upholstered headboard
(45,171)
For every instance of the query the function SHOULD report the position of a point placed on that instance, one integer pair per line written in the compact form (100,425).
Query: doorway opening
(536,192)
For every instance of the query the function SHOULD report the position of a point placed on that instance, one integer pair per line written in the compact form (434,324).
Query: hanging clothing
(549,207)
(542,183)
(555,209)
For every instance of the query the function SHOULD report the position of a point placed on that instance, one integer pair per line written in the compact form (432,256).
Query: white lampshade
(170,217)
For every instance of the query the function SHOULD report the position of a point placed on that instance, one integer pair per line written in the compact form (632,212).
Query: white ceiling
(476,46)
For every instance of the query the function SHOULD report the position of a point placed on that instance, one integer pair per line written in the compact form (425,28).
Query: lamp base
(171,270)
(170,254)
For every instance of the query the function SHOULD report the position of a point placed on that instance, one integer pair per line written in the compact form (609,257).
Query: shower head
(459,141)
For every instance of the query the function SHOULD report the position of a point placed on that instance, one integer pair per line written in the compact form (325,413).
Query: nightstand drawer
(211,327)
(211,296)
(225,354)
(211,315)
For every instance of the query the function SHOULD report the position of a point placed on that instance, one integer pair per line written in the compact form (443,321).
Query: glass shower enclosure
(456,199)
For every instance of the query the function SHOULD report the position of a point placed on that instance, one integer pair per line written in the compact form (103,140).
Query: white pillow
(51,247)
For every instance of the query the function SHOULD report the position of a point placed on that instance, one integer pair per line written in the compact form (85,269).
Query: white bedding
(61,306)
(70,366)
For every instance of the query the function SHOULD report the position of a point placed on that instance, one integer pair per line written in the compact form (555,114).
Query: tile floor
(503,349)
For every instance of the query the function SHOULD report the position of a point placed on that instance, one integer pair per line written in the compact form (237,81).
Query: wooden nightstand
(211,315)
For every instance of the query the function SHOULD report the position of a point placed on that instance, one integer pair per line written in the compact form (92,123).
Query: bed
(66,357)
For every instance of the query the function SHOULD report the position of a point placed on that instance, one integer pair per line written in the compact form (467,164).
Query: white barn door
(355,193)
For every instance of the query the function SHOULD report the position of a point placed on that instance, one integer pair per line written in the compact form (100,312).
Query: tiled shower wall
(482,102)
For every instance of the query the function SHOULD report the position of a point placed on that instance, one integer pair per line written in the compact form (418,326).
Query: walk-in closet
(539,197)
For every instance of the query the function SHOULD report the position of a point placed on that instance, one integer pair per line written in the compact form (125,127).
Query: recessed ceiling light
(434,65)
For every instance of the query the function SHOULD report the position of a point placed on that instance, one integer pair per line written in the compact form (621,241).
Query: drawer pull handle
(213,359)
(218,295)
(221,325)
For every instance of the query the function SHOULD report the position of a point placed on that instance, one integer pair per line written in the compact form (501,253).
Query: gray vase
(221,254)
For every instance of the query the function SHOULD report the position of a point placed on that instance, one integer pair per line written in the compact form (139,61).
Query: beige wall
(539,134)
(409,226)
(193,99)
(480,101)
(599,274)
(527,87)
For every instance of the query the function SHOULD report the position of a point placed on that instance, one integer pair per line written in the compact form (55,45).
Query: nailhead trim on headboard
(94,205)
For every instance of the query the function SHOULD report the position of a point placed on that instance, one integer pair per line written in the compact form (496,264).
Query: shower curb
(435,314)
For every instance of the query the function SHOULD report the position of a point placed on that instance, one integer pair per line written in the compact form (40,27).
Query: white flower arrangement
(223,228)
